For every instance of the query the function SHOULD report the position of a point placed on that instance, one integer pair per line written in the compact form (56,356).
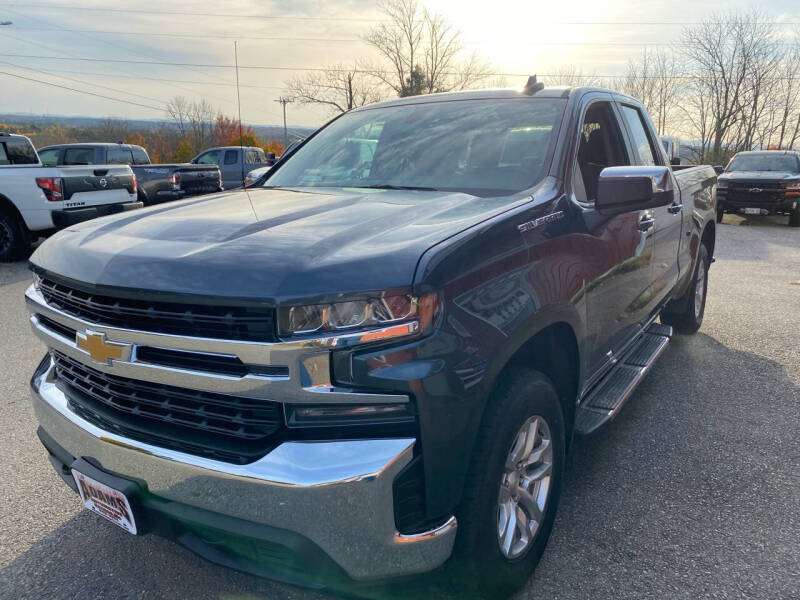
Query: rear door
(616,251)
(231,168)
(667,218)
(79,156)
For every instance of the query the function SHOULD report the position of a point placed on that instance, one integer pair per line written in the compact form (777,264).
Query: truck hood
(276,245)
(758,176)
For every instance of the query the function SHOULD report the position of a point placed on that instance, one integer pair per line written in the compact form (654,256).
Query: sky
(274,38)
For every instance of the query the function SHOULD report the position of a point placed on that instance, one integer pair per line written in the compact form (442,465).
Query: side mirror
(676,160)
(626,189)
(719,169)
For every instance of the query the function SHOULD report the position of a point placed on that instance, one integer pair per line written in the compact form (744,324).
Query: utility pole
(284,100)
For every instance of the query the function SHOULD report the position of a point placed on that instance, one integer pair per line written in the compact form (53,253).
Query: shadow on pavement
(691,490)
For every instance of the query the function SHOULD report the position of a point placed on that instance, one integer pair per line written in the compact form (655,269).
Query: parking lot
(691,492)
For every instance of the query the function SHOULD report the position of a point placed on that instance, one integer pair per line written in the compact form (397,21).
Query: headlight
(37,280)
(722,184)
(382,317)
(794,186)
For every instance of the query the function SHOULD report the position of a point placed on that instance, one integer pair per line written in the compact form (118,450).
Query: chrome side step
(607,398)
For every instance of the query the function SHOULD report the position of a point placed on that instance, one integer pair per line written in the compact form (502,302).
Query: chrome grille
(224,427)
(246,323)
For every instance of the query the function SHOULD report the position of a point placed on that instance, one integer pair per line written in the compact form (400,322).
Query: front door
(667,218)
(618,249)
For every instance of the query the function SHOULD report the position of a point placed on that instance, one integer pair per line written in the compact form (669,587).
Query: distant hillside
(262,131)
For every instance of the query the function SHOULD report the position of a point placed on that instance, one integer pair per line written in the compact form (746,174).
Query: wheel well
(709,238)
(554,352)
(8,207)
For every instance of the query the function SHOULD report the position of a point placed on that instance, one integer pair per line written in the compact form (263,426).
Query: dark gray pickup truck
(156,183)
(373,363)
(761,183)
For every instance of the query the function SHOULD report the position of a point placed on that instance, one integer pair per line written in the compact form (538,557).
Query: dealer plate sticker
(105,501)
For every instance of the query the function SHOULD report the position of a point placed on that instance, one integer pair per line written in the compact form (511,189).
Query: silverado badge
(100,349)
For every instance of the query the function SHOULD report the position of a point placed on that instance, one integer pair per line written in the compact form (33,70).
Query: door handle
(646,224)
(675,208)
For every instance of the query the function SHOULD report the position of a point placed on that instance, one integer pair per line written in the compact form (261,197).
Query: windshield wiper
(388,186)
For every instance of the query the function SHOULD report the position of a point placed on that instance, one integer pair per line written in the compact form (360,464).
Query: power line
(96,85)
(64,87)
(193,14)
(182,13)
(318,69)
(166,80)
(346,40)
(196,35)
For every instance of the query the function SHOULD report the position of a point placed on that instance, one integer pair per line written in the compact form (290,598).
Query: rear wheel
(13,239)
(686,314)
(794,215)
(513,486)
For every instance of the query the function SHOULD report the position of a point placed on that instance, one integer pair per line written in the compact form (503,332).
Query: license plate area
(106,501)
(752,211)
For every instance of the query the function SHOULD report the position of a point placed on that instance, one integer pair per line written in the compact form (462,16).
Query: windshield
(765,162)
(482,147)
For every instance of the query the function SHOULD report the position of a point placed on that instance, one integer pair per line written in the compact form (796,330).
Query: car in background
(35,200)
(235,162)
(157,183)
(760,183)
(254,176)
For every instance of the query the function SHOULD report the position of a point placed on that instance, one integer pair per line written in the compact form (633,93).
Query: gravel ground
(691,492)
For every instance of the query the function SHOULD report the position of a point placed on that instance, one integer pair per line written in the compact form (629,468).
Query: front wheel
(720,214)
(686,314)
(512,490)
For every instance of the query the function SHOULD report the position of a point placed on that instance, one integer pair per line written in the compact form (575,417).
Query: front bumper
(329,499)
(71,216)
(771,203)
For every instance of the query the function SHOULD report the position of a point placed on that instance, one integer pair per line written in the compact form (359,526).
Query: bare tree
(653,79)
(724,53)
(421,51)
(178,110)
(193,120)
(337,87)
(572,76)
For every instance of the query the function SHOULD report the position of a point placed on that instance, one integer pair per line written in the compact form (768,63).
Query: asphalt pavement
(692,492)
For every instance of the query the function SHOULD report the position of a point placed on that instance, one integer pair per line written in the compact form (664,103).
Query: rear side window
(79,156)
(49,158)
(119,156)
(3,156)
(230,157)
(209,158)
(140,156)
(20,152)
(254,157)
(641,141)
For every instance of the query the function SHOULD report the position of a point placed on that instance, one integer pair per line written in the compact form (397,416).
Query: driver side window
(600,146)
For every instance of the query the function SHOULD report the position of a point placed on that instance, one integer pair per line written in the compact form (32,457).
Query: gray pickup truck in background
(235,162)
(157,183)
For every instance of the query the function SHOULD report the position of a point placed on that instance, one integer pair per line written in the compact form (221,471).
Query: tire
(720,214)
(794,216)
(686,314)
(526,400)
(14,241)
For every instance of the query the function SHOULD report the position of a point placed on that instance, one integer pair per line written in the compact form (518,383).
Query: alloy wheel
(525,487)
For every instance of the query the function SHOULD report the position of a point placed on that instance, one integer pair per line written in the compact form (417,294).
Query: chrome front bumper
(338,494)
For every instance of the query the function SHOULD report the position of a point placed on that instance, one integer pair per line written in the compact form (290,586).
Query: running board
(608,397)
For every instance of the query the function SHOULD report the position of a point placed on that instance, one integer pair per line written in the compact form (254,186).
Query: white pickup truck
(36,200)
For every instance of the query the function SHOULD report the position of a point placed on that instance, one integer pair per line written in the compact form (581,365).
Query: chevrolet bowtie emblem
(100,349)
